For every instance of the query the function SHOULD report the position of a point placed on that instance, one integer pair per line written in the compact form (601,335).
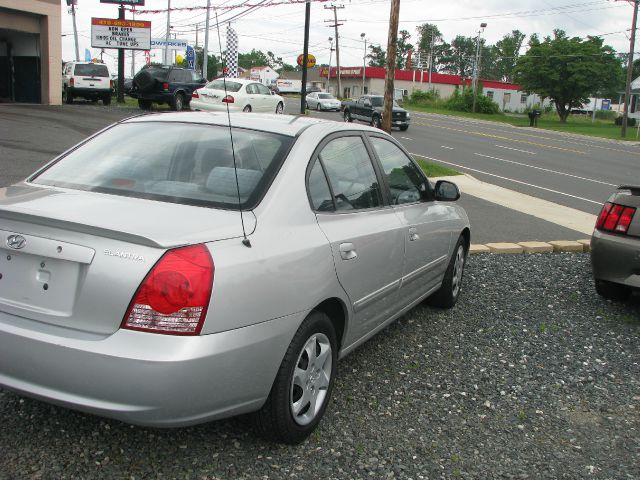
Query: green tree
(212,64)
(403,49)
(255,58)
(430,36)
(458,57)
(377,57)
(506,52)
(567,70)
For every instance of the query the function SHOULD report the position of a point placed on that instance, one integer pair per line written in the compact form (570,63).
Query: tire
(144,81)
(447,295)
(404,128)
(177,103)
(612,291)
(318,107)
(306,105)
(287,415)
(106,100)
(247,109)
(68,97)
(376,122)
(144,104)
(347,116)
(279,108)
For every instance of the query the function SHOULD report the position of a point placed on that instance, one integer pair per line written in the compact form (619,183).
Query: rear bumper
(213,107)
(146,379)
(616,258)
(162,97)
(88,92)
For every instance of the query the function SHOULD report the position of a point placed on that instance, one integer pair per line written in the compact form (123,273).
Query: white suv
(86,80)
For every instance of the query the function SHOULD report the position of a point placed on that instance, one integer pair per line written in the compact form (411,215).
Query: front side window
(351,174)
(173,162)
(262,89)
(325,96)
(404,179)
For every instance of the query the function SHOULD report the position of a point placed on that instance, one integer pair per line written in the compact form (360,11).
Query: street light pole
(627,90)
(329,69)
(364,60)
(205,52)
(476,67)
(166,47)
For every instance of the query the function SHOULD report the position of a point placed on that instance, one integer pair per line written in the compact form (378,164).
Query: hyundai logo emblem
(16,241)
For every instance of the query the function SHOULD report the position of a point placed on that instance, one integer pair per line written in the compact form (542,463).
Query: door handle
(413,234)
(348,251)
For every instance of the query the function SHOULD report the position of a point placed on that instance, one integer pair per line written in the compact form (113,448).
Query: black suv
(163,84)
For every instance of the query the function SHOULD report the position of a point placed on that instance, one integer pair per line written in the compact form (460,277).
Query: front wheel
(447,295)
(404,128)
(280,109)
(347,116)
(612,291)
(376,122)
(303,384)
(318,106)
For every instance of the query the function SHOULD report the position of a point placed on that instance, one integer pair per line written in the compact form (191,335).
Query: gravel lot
(531,375)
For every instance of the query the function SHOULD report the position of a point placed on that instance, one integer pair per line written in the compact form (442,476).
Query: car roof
(289,125)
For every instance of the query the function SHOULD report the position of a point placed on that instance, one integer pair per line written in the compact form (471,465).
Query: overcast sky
(280,28)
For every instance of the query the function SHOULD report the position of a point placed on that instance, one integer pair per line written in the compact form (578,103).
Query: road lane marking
(481,134)
(516,149)
(448,148)
(547,170)
(509,179)
(407,138)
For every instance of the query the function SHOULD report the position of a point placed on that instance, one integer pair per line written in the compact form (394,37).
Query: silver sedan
(165,273)
(322,101)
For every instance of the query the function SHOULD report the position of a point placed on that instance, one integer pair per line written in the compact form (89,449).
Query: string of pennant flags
(226,8)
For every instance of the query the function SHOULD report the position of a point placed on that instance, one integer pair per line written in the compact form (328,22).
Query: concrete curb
(580,246)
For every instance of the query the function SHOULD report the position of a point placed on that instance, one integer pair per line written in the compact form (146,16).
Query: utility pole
(329,69)
(166,47)
(120,96)
(627,90)
(364,60)
(305,57)
(205,51)
(476,67)
(72,4)
(392,44)
(336,25)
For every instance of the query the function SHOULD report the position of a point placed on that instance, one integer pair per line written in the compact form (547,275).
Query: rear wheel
(612,291)
(404,128)
(106,100)
(447,295)
(280,109)
(376,122)
(68,97)
(247,109)
(303,384)
(178,102)
(347,116)
(144,104)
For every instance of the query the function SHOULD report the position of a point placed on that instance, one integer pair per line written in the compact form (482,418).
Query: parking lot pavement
(531,375)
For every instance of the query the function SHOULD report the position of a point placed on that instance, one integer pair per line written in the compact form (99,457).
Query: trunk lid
(75,259)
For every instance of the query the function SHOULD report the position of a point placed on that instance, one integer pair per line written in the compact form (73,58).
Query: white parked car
(323,101)
(88,80)
(239,95)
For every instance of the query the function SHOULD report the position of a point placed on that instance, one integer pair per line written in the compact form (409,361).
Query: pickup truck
(369,108)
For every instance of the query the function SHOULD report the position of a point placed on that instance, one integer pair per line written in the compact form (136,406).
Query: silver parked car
(322,101)
(158,274)
(615,245)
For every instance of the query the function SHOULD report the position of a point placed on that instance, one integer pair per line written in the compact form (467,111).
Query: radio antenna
(245,241)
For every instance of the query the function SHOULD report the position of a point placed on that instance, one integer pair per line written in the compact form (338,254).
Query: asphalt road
(32,135)
(576,171)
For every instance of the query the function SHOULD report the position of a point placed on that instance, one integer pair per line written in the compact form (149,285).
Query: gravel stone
(531,375)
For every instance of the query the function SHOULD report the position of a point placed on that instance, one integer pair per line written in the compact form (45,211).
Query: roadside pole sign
(191,58)
(606,104)
(125,34)
(147,56)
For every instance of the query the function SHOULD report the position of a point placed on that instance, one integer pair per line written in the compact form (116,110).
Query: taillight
(195,94)
(175,294)
(111,83)
(228,99)
(72,82)
(165,86)
(615,218)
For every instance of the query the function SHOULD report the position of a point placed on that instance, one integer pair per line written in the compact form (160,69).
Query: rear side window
(351,175)
(173,162)
(91,70)
(160,74)
(220,85)
(319,190)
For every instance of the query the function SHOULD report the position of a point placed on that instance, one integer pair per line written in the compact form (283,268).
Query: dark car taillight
(615,218)
(71,82)
(174,296)
(165,86)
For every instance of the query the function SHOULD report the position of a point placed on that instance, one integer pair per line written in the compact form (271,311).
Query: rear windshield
(159,73)
(91,70)
(219,85)
(325,95)
(173,162)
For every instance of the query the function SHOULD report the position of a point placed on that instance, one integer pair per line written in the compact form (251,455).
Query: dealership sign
(114,33)
(344,72)
(172,44)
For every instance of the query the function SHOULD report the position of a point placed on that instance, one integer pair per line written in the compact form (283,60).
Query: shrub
(631,122)
(420,96)
(606,115)
(463,102)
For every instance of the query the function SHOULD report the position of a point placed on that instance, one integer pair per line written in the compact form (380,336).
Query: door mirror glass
(447,191)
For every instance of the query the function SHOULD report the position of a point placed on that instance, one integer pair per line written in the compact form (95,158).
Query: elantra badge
(16,242)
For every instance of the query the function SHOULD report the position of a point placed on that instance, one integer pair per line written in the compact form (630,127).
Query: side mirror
(447,191)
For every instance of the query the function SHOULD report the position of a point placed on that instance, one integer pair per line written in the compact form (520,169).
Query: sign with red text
(114,33)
